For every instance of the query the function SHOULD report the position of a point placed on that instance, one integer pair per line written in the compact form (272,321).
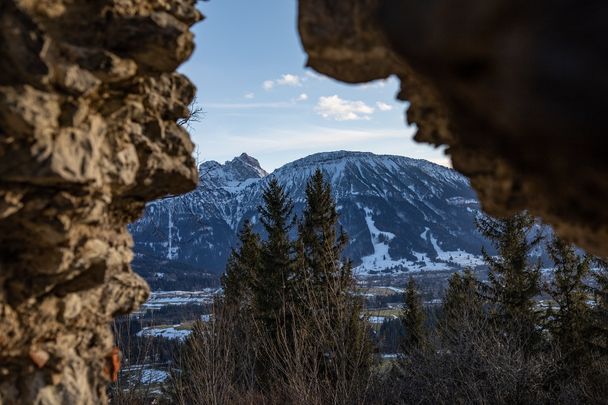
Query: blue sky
(258,97)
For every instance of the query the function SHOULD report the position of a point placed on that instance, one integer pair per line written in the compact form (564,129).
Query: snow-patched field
(152,376)
(171,332)
(160,299)
(459,257)
(144,374)
(379,319)
(180,331)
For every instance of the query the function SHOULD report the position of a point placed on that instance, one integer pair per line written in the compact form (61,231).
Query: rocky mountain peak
(239,169)
(248,165)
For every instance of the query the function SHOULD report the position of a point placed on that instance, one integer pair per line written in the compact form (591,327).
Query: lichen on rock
(89,100)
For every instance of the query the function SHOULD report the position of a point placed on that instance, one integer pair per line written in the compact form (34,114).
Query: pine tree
(326,287)
(413,319)
(570,322)
(320,244)
(272,285)
(514,280)
(462,307)
(243,266)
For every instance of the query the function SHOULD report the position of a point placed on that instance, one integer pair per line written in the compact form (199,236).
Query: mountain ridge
(400,213)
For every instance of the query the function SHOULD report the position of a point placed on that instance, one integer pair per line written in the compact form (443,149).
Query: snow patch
(380,259)
(171,250)
(166,333)
(153,376)
(161,299)
(459,257)
(378,319)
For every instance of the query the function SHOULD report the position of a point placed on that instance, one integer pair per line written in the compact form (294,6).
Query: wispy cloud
(249,96)
(275,146)
(338,109)
(313,137)
(302,97)
(383,106)
(246,106)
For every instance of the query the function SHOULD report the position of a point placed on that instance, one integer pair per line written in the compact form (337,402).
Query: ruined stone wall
(89,100)
(516,89)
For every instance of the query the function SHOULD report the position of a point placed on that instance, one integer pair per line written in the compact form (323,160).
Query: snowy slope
(400,213)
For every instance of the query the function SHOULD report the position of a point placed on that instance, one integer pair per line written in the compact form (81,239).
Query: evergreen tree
(272,285)
(243,266)
(462,307)
(413,319)
(600,309)
(320,244)
(326,287)
(570,322)
(514,280)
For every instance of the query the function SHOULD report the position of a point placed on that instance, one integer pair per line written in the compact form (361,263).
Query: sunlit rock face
(89,100)
(515,89)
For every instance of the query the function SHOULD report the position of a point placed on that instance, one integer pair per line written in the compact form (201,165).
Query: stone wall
(89,100)
(516,89)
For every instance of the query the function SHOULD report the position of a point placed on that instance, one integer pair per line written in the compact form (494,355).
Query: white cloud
(268,85)
(285,80)
(383,106)
(289,80)
(249,96)
(334,107)
(302,97)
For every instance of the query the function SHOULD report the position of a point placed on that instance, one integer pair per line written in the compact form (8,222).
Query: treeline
(162,274)
(497,342)
(289,329)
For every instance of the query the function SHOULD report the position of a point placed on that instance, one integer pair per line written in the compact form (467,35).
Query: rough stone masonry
(89,100)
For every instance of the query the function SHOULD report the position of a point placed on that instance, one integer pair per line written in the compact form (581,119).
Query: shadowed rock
(515,89)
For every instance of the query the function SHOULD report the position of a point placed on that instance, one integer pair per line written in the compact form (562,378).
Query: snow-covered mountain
(400,213)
